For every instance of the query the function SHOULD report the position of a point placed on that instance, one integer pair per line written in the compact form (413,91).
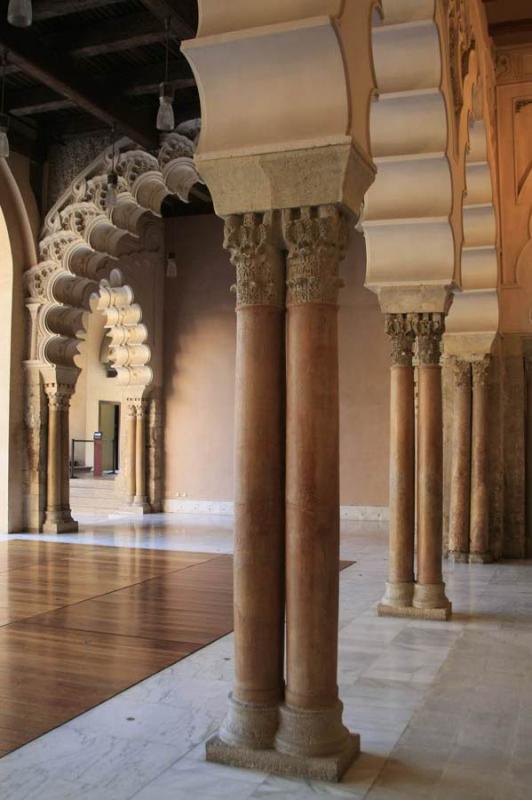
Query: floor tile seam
(418,707)
(113,591)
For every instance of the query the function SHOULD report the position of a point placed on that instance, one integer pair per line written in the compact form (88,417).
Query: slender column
(461,463)
(429,592)
(480,546)
(311,719)
(400,585)
(65,462)
(140,454)
(54,508)
(131,443)
(252,718)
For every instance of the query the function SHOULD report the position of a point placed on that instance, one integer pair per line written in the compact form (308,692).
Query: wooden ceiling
(86,65)
(510,21)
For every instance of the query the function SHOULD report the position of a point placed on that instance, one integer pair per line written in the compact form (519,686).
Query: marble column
(460,462)
(131,439)
(252,718)
(429,591)
(65,463)
(480,517)
(56,519)
(140,498)
(311,727)
(400,585)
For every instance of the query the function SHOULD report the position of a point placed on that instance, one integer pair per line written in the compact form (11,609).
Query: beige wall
(199,373)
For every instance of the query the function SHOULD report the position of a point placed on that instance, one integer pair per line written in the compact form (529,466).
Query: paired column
(58,517)
(297,491)
(469,518)
(252,719)
(429,591)
(461,463)
(136,453)
(400,585)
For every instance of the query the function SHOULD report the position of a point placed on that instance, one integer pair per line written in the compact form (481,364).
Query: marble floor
(444,709)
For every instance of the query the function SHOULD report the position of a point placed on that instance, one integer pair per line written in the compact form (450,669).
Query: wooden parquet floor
(81,623)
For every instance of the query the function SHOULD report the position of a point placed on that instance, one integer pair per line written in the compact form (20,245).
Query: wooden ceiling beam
(37,100)
(134,30)
(166,9)
(60,74)
(49,9)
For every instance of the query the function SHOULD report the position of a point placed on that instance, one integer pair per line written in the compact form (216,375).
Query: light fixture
(19,13)
(165,115)
(171,266)
(4,119)
(112,176)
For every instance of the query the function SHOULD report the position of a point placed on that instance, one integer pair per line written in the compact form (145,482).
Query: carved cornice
(429,329)
(251,242)
(317,240)
(399,328)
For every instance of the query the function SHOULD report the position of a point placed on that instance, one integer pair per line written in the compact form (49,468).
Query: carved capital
(317,239)
(58,395)
(429,329)
(399,328)
(250,240)
(462,373)
(480,370)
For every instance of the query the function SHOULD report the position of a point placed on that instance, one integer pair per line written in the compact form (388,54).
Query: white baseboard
(222,508)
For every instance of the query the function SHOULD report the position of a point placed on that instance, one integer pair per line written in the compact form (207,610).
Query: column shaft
(400,585)
(140,455)
(65,463)
(253,714)
(53,502)
(461,463)
(429,592)
(131,441)
(311,719)
(480,547)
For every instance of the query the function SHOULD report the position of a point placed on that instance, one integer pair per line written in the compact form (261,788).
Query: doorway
(109,426)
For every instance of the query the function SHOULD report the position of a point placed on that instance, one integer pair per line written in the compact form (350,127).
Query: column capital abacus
(429,329)
(480,370)
(317,240)
(399,328)
(251,242)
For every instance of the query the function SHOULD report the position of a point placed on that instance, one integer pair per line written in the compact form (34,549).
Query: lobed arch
(410,215)
(84,243)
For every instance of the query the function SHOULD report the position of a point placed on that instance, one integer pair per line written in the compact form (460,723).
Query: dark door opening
(109,425)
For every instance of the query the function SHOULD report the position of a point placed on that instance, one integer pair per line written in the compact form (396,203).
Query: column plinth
(400,585)
(479,534)
(249,729)
(461,463)
(429,591)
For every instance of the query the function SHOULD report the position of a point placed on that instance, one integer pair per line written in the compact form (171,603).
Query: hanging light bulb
(112,176)
(19,13)
(165,115)
(4,119)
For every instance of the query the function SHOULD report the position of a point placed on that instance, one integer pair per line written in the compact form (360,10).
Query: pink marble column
(460,462)
(311,726)
(252,718)
(429,591)
(400,585)
(480,516)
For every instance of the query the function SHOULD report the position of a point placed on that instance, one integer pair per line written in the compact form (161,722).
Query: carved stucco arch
(82,242)
(411,209)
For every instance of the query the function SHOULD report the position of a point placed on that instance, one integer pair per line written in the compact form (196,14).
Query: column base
(60,526)
(410,612)
(141,505)
(431,599)
(398,595)
(321,768)
(458,557)
(480,558)
(250,725)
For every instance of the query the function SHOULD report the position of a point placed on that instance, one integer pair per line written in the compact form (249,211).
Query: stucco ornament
(460,43)
(317,239)
(250,240)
